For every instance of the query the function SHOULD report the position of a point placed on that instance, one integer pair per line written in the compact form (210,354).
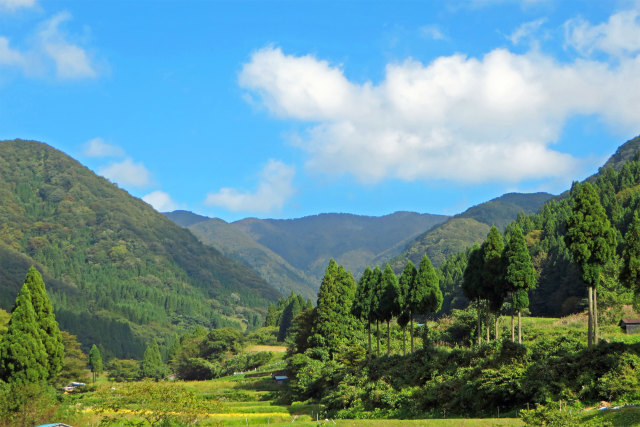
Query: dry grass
(274,348)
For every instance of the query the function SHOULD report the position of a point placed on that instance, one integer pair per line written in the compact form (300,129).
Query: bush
(553,414)
(26,404)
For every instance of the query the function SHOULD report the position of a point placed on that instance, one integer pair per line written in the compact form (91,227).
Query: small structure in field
(630,326)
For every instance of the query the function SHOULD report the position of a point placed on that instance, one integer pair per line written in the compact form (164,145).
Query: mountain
(469,227)
(117,271)
(235,244)
(623,154)
(292,254)
(185,218)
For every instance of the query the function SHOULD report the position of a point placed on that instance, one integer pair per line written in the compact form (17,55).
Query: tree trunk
(388,338)
(411,315)
(404,347)
(495,337)
(595,316)
(519,327)
(369,328)
(590,328)
(513,328)
(378,335)
(488,327)
(479,326)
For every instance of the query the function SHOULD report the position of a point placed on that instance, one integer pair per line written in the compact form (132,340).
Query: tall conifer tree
(389,302)
(152,365)
(46,320)
(426,295)
(23,357)
(95,361)
(630,273)
(592,242)
(472,283)
(406,283)
(361,307)
(520,276)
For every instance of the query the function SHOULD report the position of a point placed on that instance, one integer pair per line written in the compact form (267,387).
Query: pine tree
(288,314)
(426,296)
(406,284)
(377,292)
(520,276)
(472,283)
(389,306)
(592,242)
(95,361)
(151,365)
(48,327)
(23,357)
(493,287)
(333,322)
(362,302)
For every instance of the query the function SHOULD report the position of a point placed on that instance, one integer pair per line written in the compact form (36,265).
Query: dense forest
(118,271)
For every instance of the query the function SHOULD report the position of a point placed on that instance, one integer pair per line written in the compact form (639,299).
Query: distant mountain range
(117,271)
(293,254)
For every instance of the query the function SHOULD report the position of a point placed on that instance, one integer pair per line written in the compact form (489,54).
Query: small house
(630,326)
(280,379)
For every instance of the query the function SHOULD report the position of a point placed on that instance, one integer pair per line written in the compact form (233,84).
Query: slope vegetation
(117,271)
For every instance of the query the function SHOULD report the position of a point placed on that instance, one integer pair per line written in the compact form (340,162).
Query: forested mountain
(292,254)
(117,271)
(469,227)
(185,218)
(234,243)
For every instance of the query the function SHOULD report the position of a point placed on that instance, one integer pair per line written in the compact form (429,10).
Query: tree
(472,283)
(519,275)
(151,365)
(361,307)
(95,361)
(377,293)
(333,321)
(493,286)
(288,314)
(75,361)
(425,296)
(389,302)
(23,357)
(591,242)
(47,325)
(630,272)
(406,284)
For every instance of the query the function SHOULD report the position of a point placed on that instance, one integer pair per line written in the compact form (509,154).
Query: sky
(283,109)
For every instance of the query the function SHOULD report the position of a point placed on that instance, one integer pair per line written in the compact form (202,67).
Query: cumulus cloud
(160,201)
(97,147)
(127,173)
(71,60)
(619,36)
(459,118)
(273,191)
(16,4)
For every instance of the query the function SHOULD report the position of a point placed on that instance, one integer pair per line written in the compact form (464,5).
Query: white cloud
(273,191)
(526,31)
(9,56)
(16,4)
(127,173)
(160,201)
(96,147)
(458,118)
(619,36)
(432,32)
(71,60)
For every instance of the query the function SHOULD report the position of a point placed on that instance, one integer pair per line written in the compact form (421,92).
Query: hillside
(469,227)
(354,241)
(117,271)
(185,218)
(623,154)
(232,242)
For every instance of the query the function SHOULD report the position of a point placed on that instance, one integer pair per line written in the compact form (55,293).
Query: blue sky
(283,109)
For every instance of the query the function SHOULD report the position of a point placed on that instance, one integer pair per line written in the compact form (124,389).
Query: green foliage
(95,361)
(23,356)
(553,414)
(121,370)
(47,325)
(493,286)
(589,237)
(152,366)
(26,404)
(75,361)
(333,322)
(426,296)
(630,274)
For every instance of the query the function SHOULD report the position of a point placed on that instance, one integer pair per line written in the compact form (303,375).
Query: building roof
(630,321)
